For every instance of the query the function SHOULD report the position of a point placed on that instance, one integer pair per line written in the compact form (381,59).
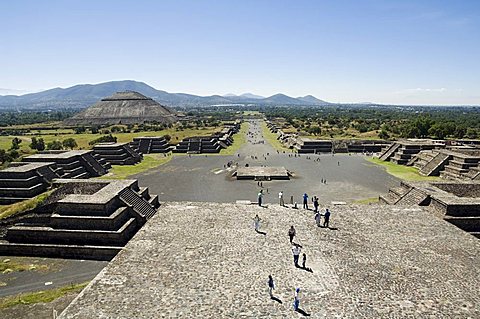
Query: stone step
(59,251)
(468,224)
(81,221)
(48,235)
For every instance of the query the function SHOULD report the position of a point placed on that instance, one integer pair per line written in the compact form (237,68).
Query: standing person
(326,218)
(280,198)
(260,196)
(305,201)
(291,233)
(296,250)
(271,285)
(315,203)
(256,223)
(318,219)
(296,300)
(304,260)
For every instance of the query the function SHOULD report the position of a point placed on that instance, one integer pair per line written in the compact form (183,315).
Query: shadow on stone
(261,232)
(303,312)
(276,299)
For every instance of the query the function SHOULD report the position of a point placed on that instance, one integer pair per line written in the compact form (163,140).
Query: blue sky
(404,52)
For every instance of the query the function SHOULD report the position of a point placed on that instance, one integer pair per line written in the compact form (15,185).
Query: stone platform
(262,173)
(204,260)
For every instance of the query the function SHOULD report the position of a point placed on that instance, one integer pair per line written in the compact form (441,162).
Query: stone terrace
(204,260)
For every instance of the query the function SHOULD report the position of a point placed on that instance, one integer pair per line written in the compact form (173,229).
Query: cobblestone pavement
(204,260)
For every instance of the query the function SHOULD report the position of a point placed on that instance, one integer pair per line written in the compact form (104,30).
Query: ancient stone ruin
(73,164)
(21,181)
(455,202)
(82,219)
(147,145)
(124,108)
(261,173)
(208,144)
(117,153)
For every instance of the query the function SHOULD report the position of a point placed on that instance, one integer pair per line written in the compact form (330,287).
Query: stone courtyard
(204,260)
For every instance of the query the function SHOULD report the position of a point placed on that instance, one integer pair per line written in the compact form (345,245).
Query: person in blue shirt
(326,218)
(305,201)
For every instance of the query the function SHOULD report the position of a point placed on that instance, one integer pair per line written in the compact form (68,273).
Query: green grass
(238,140)
(40,296)
(9,265)
(366,201)
(149,161)
(408,173)
(272,138)
(10,210)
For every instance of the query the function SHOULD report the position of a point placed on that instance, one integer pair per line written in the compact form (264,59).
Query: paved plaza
(205,178)
(204,260)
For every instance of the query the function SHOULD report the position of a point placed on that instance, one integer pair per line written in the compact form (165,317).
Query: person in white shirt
(280,198)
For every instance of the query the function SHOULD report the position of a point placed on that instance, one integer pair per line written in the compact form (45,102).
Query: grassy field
(149,161)
(10,210)
(84,138)
(272,138)
(238,140)
(41,296)
(15,265)
(407,173)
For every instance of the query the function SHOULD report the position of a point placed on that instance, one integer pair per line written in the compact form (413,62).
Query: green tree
(69,143)
(15,143)
(55,145)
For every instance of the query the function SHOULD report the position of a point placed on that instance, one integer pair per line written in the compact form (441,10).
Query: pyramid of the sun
(123,108)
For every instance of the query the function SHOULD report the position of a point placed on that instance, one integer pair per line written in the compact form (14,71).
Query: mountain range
(84,95)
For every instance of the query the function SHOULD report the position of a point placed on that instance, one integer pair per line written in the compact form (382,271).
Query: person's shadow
(261,232)
(303,312)
(276,299)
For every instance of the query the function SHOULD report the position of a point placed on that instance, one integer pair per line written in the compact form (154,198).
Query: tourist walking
(291,233)
(260,196)
(315,203)
(280,198)
(305,201)
(296,300)
(296,250)
(271,285)
(304,260)
(326,218)
(256,223)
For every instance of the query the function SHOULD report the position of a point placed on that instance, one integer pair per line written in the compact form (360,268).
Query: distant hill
(84,95)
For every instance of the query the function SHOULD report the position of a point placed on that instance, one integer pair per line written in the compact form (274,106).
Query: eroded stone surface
(204,260)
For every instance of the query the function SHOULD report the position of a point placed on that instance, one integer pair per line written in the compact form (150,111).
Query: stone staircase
(435,165)
(139,204)
(389,151)
(395,194)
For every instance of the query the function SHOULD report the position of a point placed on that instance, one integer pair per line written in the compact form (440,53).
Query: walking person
(260,196)
(291,233)
(256,223)
(296,300)
(326,218)
(271,286)
(315,203)
(280,198)
(304,260)
(296,250)
(305,201)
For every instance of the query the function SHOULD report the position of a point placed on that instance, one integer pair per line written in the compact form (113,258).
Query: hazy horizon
(388,52)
